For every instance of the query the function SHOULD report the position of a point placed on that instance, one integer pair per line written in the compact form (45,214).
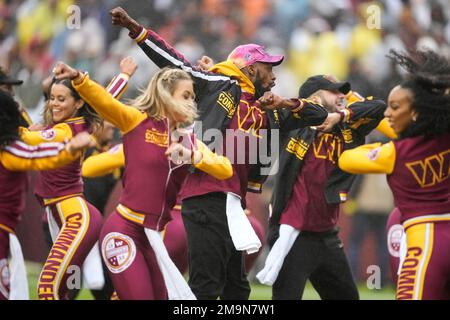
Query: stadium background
(327,36)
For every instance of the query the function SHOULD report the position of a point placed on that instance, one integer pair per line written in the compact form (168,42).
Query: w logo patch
(48,135)
(432,170)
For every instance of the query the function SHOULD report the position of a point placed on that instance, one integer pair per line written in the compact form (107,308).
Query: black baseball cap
(4,79)
(321,82)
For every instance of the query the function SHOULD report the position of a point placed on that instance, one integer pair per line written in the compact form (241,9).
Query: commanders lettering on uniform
(58,253)
(156,137)
(226,101)
(408,275)
(298,147)
(431,170)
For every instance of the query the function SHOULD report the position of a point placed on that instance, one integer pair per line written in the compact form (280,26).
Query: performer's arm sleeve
(369,158)
(363,114)
(21,157)
(118,85)
(304,113)
(103,163)
(124,117)
(59,133)
(386,129)
(217,166)
(164,55)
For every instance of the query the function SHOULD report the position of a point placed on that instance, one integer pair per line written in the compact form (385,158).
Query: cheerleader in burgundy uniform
(417,165)
(16,157)
(131,243)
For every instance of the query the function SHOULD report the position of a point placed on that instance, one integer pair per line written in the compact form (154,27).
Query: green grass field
(259,292)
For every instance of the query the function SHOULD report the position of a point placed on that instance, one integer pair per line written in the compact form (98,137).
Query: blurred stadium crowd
(327,36)
(318,37)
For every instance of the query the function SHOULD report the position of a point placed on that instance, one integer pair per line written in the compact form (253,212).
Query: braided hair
(9,119)
(428,79)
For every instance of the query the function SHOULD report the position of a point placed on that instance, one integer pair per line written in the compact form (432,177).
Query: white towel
(276,256)
(241,231)
(52,225)
(18,279)
(402,252)
(93,269)
(176,285)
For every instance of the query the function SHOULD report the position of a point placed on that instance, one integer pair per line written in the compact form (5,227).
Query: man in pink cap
(227,100)
(256,64)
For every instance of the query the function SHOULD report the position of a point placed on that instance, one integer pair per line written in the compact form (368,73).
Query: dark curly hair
(428,79)
(91,117)
(9,119)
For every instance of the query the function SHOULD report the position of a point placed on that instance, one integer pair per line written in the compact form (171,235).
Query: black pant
(216,268)
(320,258)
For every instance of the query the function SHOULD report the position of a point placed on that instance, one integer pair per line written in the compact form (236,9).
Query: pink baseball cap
(247,54)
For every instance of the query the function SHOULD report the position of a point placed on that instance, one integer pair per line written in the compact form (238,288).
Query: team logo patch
(374,154)
(394,239)
(4,278)
(119,251)
(48,134)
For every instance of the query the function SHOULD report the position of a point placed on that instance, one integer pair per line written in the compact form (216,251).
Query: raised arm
(163,54)
(60,132)
(20,156)
(119,83)
(369,158)
(104,163)
(122,116)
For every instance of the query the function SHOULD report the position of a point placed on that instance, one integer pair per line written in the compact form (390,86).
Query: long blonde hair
(157,99)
